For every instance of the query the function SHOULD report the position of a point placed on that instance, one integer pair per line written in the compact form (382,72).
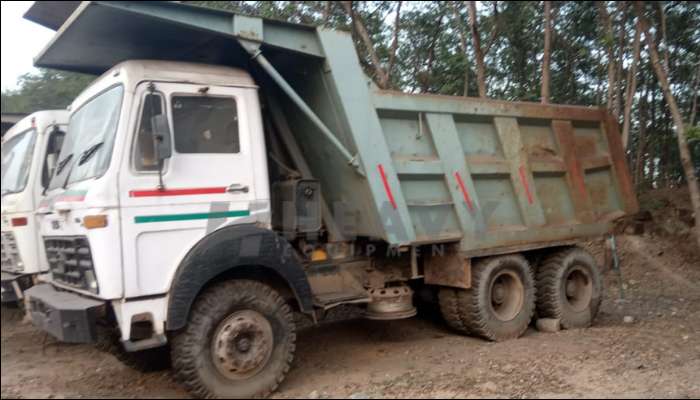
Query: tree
(479,52)
(464,44)
(608,39)
(546,56)
(631,88)
(662,75)
(381,76)
(44,90)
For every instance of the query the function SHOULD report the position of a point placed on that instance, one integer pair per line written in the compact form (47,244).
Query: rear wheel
(500,303)
(239,342)
(569,288)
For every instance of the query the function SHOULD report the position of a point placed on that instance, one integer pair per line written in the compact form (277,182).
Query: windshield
(17,155)
(87,147)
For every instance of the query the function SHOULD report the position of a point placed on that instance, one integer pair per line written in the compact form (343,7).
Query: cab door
(207,182)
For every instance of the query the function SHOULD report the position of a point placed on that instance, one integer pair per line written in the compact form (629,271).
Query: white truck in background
(29,155)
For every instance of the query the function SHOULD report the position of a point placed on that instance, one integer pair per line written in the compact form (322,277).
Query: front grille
(70,262)
(11,261)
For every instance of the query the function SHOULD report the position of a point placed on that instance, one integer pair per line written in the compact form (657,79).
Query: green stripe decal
(187,217)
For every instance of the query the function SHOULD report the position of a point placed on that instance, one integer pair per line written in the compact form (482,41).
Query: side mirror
(51,163)
(161,136)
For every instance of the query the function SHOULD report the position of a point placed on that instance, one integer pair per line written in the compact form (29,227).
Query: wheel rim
(506,295)
(242,345)
(578,289)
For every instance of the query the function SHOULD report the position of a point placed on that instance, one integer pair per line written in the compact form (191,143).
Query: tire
(500,304)
(569,288)
(256,314)
(13,312)
(150,360)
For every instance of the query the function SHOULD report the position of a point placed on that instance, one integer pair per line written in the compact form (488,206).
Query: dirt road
(656,355)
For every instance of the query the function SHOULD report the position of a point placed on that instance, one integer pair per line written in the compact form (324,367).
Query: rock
(314,395)
(628,319)
(686,337)
(508,368)
(489,386)
(548,325)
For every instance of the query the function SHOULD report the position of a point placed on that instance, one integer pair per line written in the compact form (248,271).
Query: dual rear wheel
(506,293)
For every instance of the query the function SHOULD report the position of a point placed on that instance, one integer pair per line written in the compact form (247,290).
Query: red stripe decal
(386,186)
(465,193)
(71,198)
(526,184)
(176,192)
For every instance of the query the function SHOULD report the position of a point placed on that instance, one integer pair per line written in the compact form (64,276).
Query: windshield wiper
(89,153)
(62,164)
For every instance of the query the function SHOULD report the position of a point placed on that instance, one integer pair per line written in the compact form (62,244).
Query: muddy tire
(239,342)
(569,288)
(150,360)
(500,304)
(13,312)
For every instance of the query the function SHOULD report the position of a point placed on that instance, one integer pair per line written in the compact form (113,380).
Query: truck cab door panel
(208,181)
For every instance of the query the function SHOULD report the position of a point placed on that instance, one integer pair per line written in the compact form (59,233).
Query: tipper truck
(29,155)
(226,172)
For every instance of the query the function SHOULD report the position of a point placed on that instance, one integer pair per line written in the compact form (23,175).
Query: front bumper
(14,285)
(67,316)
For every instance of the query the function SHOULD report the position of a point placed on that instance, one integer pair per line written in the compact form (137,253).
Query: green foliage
(430,59)
(693,133)
(45,90)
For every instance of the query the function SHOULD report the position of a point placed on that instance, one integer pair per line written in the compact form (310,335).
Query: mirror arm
(156,139)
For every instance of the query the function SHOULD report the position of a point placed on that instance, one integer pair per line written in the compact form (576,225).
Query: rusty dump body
(508,176)
(491,176)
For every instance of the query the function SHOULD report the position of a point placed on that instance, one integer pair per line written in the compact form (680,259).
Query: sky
(21,40)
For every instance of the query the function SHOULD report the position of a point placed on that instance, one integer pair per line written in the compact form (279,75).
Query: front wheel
(239,342)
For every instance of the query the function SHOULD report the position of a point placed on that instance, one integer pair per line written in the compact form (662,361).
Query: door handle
(237,188)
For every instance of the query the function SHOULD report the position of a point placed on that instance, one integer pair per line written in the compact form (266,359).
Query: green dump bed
(408,169)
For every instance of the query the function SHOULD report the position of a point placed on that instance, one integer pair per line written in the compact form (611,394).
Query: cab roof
(185,72)
(38,119)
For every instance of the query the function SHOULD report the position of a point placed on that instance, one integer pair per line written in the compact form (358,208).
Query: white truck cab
(29,152)
(118,224)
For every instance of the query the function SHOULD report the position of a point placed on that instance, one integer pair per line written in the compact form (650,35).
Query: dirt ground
(657,354)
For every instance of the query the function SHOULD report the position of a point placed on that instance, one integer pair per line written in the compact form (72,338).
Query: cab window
(145,156)
(205,124)
(53,148)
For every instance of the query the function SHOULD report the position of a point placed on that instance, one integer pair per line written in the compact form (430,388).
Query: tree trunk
(327,12)
(643,110)
(431,56)
(546,56)
(607,24)
(622,39)
(694,104)
(642,144)
(361,30)
(463,44)
(662,17)
(686,160)
(394,45)
(478,52)
(631,88)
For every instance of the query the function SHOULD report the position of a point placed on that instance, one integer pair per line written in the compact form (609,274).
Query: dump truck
(228,172)
(29,155)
